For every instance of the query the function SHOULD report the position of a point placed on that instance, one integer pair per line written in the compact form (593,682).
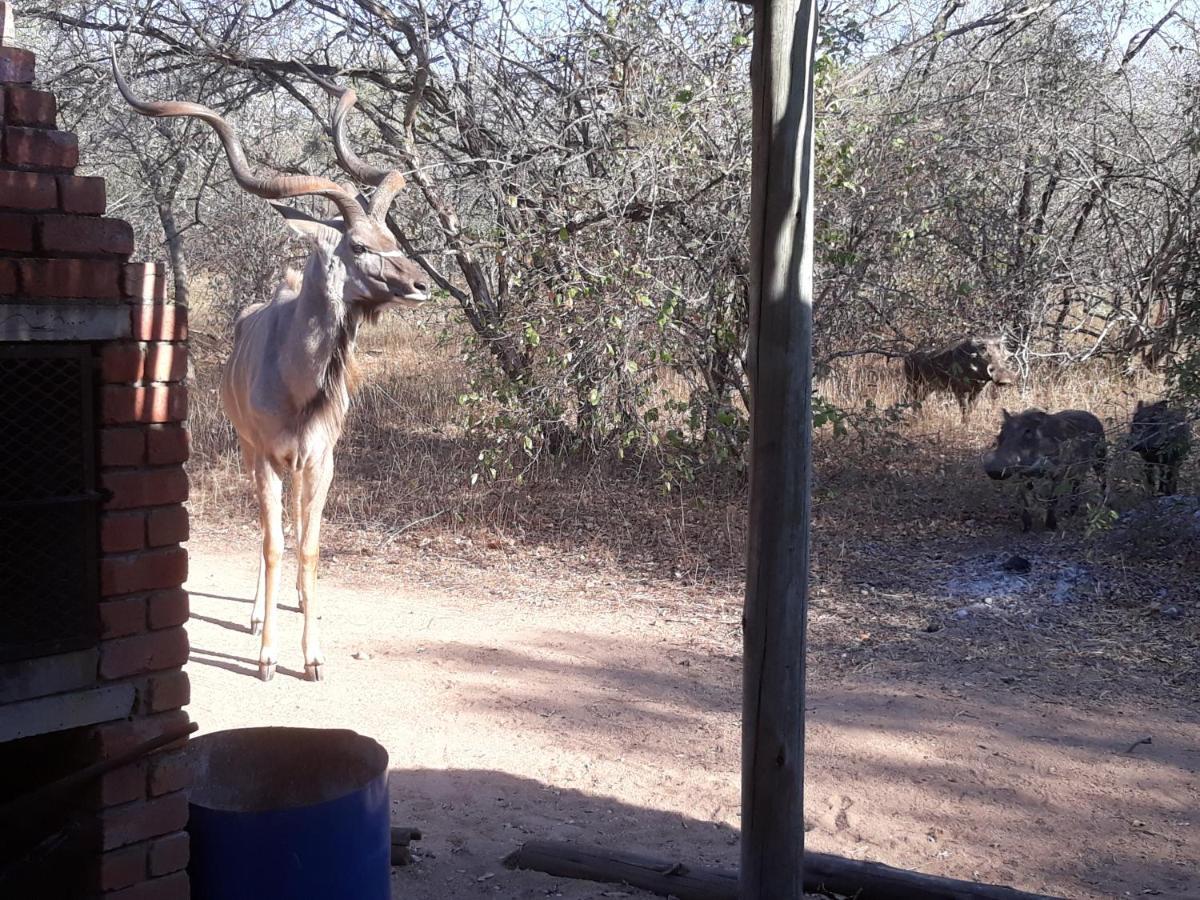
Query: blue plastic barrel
(292,813)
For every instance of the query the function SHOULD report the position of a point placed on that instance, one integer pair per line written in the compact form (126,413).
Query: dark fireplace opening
(45,849)
(48,500)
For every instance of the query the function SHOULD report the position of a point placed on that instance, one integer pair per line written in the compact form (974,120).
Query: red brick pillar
(143,446)
(62,261)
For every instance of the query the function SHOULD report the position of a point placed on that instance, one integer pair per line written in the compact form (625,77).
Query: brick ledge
(65,711)
(63,322)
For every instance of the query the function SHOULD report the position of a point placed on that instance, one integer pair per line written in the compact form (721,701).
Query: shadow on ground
(457,858)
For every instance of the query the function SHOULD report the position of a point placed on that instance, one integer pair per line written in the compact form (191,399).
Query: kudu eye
(358,249)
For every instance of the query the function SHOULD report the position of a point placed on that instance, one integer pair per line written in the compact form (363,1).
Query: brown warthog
(964,368)
(1048,450)
(1162,436)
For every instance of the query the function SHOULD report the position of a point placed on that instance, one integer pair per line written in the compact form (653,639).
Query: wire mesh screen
(48,501)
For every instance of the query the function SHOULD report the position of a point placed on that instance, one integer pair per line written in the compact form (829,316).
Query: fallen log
(659,876)
(875,881)
(822,872)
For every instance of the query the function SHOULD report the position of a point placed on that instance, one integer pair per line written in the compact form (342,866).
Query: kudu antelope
(286,385)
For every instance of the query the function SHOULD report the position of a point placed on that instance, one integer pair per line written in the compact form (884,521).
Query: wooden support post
(8,32)
(780,370)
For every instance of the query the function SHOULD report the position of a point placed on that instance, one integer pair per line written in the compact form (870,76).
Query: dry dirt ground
(963,720)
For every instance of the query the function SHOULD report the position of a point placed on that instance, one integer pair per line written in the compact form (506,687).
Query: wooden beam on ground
(875,881)
(779,365)
(663,877)
(822,872)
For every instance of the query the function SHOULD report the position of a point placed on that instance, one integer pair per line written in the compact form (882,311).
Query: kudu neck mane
(323,285)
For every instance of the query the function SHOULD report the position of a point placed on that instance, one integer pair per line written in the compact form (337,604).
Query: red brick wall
(56,245)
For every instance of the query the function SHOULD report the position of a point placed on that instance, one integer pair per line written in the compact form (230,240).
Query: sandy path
(508,719)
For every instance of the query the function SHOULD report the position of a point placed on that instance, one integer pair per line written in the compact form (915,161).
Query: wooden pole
(780,370)
(8,31)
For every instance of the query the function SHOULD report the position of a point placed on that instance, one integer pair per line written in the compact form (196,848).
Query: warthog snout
(995,468)
(1001,374)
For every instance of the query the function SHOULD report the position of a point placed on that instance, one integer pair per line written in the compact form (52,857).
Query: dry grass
(864,384)
(405,462)
(900,507)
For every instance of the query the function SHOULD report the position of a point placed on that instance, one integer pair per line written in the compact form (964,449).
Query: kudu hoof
(266,671)
(256,628)
(314,671)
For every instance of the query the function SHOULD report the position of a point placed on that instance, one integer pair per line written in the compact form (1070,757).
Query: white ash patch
(1014,582)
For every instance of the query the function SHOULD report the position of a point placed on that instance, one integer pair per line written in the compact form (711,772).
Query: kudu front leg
(313,486)
(270,507)
(260,595)
(298,532)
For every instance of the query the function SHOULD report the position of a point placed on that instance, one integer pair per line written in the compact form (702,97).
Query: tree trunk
(174,239)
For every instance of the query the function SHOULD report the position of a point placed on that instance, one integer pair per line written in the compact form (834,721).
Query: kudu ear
(1141,404)
(318,231)
(1004,412)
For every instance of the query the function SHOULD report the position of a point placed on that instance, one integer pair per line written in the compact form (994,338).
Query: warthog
(1161,435)
(1048,450)
(964,368)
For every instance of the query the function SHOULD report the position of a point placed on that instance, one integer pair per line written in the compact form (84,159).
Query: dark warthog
(1161,435)
(1049,450)
(964,368)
